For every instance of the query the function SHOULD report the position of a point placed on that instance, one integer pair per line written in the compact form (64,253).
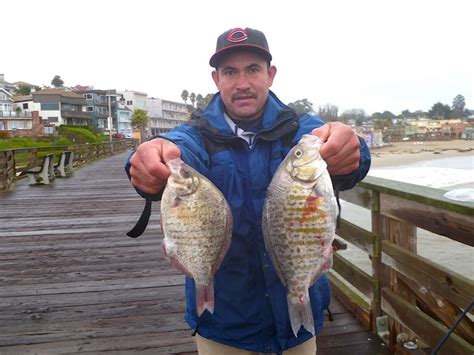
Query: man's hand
(148,170)
(340,147)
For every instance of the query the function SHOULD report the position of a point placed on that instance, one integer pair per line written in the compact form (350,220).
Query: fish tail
(205,298)
(300,313)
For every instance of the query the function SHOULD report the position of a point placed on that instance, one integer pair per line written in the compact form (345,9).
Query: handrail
(14,161)
(402,283)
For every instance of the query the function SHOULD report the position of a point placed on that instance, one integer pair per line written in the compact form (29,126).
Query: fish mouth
(174,164)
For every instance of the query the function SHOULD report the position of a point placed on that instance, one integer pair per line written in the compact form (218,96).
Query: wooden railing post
(376,306)
(402,234)
(7,169)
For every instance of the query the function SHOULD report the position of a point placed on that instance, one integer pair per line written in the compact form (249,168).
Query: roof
(61,92)
(20,98)
(6,92)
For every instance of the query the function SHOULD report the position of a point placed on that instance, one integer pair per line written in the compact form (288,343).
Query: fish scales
(197,225)
(299,225)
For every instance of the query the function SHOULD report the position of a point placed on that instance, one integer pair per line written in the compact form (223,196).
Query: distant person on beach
(238,142)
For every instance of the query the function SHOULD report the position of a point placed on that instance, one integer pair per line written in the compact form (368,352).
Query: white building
(165,115)
(134,99)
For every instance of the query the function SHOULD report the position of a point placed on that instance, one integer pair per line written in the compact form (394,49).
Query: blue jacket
(250,301)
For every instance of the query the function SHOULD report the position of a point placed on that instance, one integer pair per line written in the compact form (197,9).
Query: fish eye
(298,153)
(186,174)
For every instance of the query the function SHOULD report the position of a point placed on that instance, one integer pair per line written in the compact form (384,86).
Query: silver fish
(197,227)
(299,221)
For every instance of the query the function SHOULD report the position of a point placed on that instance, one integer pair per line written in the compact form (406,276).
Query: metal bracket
(381,325)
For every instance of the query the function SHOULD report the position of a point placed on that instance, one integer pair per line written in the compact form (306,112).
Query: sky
(374,55)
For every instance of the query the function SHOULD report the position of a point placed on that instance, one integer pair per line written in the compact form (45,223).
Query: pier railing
(406,295)
(14,161)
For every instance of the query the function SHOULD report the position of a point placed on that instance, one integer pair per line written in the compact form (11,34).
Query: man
(238,142)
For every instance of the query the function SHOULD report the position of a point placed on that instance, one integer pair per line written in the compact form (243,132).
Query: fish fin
(301,314)
(205,298)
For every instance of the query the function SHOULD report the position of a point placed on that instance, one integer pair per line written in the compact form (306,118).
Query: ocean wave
(426,176)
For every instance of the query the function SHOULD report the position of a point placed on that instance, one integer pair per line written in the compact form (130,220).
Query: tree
(192,98)
(328,112)
(406,114)
(23,90)
(355,114)
(185,96)
(139,118)
(439,111)
(200,104)
(302,106)
(57,82)
(387,115)
(458,106)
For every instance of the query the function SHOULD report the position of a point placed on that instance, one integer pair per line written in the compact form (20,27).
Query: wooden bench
(43,174)
(64,167)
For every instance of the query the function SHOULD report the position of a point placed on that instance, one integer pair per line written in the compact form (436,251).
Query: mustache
(246,94)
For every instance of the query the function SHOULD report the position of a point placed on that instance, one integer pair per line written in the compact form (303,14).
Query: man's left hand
(340,148)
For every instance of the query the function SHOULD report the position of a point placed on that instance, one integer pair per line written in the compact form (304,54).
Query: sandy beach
(399,153)
(448,253)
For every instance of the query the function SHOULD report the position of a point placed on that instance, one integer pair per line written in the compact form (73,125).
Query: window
(130,103)
(49,107)
(19,125)
(3,97)
(25,106)
(88,96)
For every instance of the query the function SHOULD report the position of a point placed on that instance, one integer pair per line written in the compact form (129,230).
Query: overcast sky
(375,55)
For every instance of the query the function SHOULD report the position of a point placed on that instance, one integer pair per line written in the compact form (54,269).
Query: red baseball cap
(240,38)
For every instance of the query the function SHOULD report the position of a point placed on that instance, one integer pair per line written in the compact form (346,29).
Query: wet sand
(403,153)
(444,251)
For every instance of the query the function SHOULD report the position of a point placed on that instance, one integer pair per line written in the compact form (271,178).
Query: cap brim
(217,57)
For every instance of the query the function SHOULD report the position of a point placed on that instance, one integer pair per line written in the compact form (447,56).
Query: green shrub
(78,134)
(63,141)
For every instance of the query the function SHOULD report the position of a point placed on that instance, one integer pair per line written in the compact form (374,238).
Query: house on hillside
(59,106)
(6,85)
(6,101)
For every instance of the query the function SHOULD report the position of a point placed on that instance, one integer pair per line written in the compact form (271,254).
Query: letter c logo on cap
(237,35)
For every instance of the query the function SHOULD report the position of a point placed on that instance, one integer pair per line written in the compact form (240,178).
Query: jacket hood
(214,113)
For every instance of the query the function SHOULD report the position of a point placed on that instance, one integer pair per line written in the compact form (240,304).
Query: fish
(299,222)
(197,225)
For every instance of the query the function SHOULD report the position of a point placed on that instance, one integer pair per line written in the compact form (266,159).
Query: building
(21,124)
(59,106)
(6,85)
(134,99)
(124,118)
(6,100)
(165,115)
(97,104)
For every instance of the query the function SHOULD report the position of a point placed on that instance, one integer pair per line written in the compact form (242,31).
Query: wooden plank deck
(71,281)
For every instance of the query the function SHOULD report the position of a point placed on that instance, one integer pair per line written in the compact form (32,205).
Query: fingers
(148,170)
(322,132)
(341,149)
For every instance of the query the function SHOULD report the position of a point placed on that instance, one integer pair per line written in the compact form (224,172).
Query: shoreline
(404,153)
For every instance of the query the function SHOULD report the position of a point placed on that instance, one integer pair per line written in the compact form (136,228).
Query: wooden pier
(71,281)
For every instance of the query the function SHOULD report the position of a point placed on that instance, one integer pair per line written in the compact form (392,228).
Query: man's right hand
(148,170)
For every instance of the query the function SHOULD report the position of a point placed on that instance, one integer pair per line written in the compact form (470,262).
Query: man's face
(243,79)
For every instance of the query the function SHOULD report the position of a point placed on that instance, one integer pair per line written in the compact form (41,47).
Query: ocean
(453,174)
